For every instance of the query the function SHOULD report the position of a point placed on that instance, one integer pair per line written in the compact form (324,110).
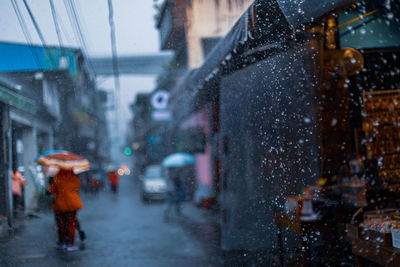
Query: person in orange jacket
(114,181)
(16,183)
(67,202)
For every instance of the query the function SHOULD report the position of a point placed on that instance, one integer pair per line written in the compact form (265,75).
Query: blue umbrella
(178,160)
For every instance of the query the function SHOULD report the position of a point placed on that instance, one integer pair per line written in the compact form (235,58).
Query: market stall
(358,194)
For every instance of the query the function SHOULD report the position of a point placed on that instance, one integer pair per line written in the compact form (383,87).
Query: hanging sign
(159,102)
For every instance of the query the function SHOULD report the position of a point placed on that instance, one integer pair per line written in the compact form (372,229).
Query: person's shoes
(61,246)
(72,248)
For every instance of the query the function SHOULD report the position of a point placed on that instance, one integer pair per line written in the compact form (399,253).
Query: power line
(38,31)
(76,23)
(65,31)
(21,21)
(25,31)
(53,12)
(74,19)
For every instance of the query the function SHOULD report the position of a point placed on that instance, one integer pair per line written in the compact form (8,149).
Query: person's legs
(61,225)
(168,205)
(15,201)
(178,206)
(72,223)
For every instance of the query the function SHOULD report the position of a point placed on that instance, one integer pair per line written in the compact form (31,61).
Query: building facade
(191,29)
(49,101)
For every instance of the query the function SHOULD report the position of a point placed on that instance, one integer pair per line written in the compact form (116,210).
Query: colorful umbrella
(62,159)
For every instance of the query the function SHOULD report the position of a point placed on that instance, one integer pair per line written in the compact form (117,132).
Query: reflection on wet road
(121,231)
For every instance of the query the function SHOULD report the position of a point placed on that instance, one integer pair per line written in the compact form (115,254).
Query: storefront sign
(16,100)
(159,102)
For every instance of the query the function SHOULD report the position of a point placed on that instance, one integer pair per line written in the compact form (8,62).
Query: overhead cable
(53,13)
(25,31)
(75,22)
(39,32)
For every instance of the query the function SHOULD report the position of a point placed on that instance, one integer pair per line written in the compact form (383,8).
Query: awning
(299,12)
(265,24)
(23,57)
(13,99)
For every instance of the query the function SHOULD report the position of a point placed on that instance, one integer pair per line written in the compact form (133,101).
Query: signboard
(16,100)
(159,102)
(161,115)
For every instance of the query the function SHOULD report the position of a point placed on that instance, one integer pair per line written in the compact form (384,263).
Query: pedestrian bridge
(139,64)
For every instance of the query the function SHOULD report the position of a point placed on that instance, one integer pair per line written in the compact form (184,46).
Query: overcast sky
(134,28)
(134,25)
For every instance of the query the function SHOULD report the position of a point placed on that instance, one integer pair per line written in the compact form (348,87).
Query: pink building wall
(203,160)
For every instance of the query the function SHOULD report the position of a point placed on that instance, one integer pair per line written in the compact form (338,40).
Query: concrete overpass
(140,64)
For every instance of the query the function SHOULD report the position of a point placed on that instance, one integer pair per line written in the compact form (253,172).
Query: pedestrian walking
(95,185)
(67,202)
(114,181)
(17,182)
(174,194)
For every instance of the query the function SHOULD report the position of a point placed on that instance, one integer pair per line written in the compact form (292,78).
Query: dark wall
(270,144)
(5,145)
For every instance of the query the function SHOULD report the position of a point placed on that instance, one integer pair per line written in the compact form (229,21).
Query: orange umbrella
(64,160)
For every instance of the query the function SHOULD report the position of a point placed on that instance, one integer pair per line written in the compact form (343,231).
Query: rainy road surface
(122,231)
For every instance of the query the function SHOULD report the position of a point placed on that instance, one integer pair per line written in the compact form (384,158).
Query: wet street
(121,231)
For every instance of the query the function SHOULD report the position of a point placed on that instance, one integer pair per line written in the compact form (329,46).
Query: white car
(154,183)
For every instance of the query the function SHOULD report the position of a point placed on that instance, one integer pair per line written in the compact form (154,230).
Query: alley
(121,231)
(271,127)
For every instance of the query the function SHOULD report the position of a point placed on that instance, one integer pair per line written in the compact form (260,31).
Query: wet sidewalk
(121,231)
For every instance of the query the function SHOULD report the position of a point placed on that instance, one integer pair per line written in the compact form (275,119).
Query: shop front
(356,102)
(11,103)
(194,137)
(306,103)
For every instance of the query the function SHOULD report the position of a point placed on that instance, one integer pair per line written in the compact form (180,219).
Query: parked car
(154,183)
